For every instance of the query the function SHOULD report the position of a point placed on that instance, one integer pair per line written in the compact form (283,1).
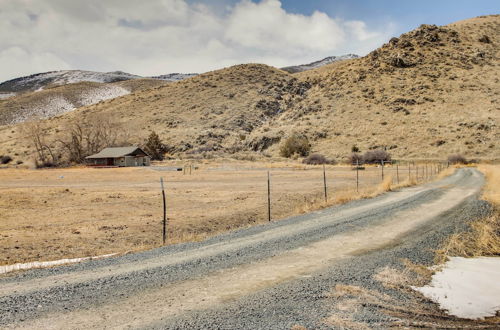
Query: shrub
(354,148)
(376,156)
(355,158)
(295,144)
(457,159)
(5,159)
(317,159)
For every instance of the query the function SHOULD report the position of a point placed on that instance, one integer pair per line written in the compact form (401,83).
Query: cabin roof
(116,152)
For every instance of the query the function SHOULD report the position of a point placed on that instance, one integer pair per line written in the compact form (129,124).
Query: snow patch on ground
(6,95)
(467,287)
(44,264)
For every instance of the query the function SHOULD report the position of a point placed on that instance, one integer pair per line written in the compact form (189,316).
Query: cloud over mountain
(168,35)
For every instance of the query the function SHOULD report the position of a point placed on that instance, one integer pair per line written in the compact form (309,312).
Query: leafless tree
(36,132)
(84,137)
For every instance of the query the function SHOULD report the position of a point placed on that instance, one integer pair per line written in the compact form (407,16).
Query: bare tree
(84,137)
(80,138)
(36,133)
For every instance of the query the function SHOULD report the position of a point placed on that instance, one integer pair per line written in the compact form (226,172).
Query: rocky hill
(426,94)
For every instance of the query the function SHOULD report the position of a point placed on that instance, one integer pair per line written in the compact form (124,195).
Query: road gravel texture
(272,276)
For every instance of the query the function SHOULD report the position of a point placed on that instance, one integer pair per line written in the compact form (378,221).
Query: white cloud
(16,62)
(161,36)
(268,27)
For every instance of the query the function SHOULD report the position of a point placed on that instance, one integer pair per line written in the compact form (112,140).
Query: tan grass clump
(483,238)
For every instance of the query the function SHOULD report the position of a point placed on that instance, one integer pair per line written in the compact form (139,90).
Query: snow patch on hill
(97,95)
(48,107)
(51,106)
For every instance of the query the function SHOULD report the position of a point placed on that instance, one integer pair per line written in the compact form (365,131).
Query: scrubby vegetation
(370,157)
(376,156)
(318,159)
(5,159)
(457,159)
(355,158)
(295,145)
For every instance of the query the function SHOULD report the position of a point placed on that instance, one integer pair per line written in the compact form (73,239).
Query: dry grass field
(75,212)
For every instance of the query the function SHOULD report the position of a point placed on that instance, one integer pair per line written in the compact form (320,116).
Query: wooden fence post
(357,175)
(397,172)
(268,196)
(324,183)
(382,162)
(164,212)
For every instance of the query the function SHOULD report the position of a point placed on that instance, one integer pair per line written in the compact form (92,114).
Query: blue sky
(153,37)
(407,15)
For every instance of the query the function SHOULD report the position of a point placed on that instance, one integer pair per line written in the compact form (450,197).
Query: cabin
(120,156)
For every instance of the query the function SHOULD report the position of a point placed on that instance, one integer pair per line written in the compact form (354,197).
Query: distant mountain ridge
(318,64)
(174,76)
(40,81)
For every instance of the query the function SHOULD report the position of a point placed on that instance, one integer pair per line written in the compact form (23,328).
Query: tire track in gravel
(225,284)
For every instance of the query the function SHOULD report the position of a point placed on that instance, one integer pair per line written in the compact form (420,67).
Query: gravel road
(271,276)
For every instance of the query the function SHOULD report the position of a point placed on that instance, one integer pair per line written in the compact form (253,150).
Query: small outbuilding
(120,156)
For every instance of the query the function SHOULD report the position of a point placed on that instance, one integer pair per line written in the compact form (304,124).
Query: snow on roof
(116,152)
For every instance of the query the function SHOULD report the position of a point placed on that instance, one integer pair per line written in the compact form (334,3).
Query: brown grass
(77,212)
(410,312)
(483,238)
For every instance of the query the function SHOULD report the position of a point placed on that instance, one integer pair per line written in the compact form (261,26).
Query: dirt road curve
(270,276)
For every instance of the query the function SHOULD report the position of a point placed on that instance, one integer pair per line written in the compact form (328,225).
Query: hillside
(57,100)
(426,94)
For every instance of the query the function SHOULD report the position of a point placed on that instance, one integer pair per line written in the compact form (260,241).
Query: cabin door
(109,162)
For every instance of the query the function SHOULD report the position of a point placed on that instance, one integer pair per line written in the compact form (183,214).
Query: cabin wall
(120,161)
